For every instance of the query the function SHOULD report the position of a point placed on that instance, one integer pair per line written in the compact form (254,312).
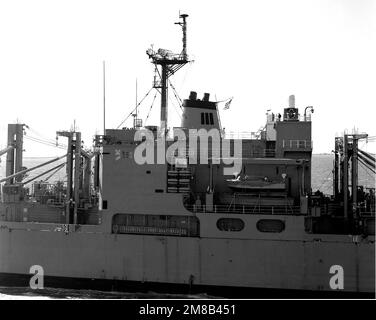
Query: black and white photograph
(187,155)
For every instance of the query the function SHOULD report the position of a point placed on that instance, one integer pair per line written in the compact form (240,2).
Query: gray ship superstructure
(188,224)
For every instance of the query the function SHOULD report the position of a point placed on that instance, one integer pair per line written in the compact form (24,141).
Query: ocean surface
(322,180)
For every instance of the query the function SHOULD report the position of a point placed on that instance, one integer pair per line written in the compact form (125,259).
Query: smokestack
(193,95)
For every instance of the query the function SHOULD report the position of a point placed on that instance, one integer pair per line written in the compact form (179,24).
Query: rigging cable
(43,173)
(53,173)
(180,102)
(134,108)
(366,161)
(176,109)
(368,175)
(366,167)
(325,181)
(220,101)
(147,117)
(176,95)
(367,154)
(41,137)
(185,75)
(47,143)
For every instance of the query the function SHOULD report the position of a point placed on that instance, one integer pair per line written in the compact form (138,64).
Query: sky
(258,52)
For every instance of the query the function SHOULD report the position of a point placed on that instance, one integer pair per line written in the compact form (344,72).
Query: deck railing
(239,135)
(246,209)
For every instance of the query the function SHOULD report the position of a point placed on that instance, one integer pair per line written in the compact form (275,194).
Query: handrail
(247,209)
(301,118)
(241,135)
(186,152)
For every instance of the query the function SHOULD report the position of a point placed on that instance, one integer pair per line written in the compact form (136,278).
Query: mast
(345,177)
(184,27)
(104,97)
(336,168)
(77,175)
(14,152)
(354,175)
(74,174)
(164,97)
(169,63)
(350,153)
(136,100)
(137,123)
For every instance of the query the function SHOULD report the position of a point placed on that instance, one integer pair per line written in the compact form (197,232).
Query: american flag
(227,105)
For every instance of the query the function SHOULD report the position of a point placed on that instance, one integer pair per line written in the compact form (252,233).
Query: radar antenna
(169,64)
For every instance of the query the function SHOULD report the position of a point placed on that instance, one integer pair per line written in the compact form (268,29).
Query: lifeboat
(248,184)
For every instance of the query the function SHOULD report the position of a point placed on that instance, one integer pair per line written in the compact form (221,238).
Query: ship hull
(184,262)
(158,289)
